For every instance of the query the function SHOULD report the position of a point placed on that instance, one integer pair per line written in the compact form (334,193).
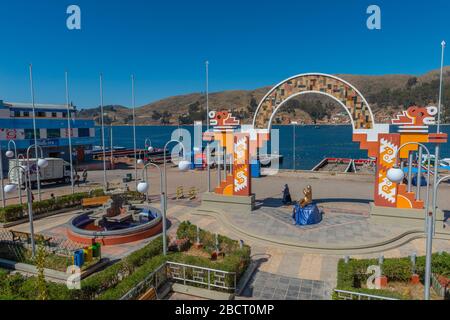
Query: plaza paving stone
(268,286)
(335,228)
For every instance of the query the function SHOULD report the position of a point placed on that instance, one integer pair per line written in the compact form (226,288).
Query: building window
(41,114)
(17,114)
(26,113)
(29,134)
(53,133)
(83,132)
(54,115)
(64,114)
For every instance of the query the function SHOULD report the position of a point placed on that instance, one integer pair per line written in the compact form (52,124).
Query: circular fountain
(115,223)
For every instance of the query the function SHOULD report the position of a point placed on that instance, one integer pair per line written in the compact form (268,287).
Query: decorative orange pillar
(242,185)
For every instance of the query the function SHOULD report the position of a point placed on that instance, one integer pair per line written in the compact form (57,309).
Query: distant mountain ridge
(387,94)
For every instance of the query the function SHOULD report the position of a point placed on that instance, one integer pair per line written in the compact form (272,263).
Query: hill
(387,94)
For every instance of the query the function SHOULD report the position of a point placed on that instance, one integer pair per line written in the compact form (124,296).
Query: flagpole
(207,125)
(35,132)
(69,131)
(134,131)
(207,95)
(430,219)
(105,185)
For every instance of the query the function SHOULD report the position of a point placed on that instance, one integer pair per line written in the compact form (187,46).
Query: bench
(26,237)
(20,236)
(150,294)
(95,202)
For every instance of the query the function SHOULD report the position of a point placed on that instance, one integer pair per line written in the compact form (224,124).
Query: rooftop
(37,106)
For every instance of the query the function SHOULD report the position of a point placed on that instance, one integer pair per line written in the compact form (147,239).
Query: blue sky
(249,44)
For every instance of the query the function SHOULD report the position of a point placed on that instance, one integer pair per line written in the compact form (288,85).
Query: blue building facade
(16,123)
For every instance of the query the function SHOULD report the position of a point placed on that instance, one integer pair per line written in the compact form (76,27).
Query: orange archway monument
(382,141)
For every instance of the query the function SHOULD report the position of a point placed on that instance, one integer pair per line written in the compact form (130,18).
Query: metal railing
(351,295)
(56,245)
(155,279)
(212,279)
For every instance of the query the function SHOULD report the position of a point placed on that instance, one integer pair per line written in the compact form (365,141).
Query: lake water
(311,144)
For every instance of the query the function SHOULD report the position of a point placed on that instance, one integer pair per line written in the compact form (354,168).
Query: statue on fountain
(306,211)
(308,196)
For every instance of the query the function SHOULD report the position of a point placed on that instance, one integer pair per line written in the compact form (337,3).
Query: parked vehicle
(57,171)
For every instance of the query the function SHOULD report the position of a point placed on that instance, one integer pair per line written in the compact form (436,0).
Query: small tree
(41,285)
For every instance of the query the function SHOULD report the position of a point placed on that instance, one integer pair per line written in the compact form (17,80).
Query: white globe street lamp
(150,149)
(10,188)
(140,161)
(184,165)
(9,153)
(395,174)
(142,187)
(42,163)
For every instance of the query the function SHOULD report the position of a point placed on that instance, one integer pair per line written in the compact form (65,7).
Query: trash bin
(255,168)
(96,252)
(87,253)
(78,258)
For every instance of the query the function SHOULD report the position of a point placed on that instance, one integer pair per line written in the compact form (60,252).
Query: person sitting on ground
(286,195)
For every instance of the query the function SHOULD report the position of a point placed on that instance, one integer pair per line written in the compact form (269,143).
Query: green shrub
(108,278)
(135,195)
(96,193)
(134,279)
(117,279)
(236,259)
(352,275)
(187,230)
(12,212)
(16,211)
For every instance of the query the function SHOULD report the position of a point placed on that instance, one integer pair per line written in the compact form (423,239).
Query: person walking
(77,180)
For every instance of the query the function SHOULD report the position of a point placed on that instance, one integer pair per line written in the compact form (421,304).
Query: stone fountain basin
(77,233)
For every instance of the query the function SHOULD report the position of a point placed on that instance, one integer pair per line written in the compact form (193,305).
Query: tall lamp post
(148,144)
(143,187)
(10,154)
(40,162)
(69,133)
(11,187)
(183,166)
(396,175)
